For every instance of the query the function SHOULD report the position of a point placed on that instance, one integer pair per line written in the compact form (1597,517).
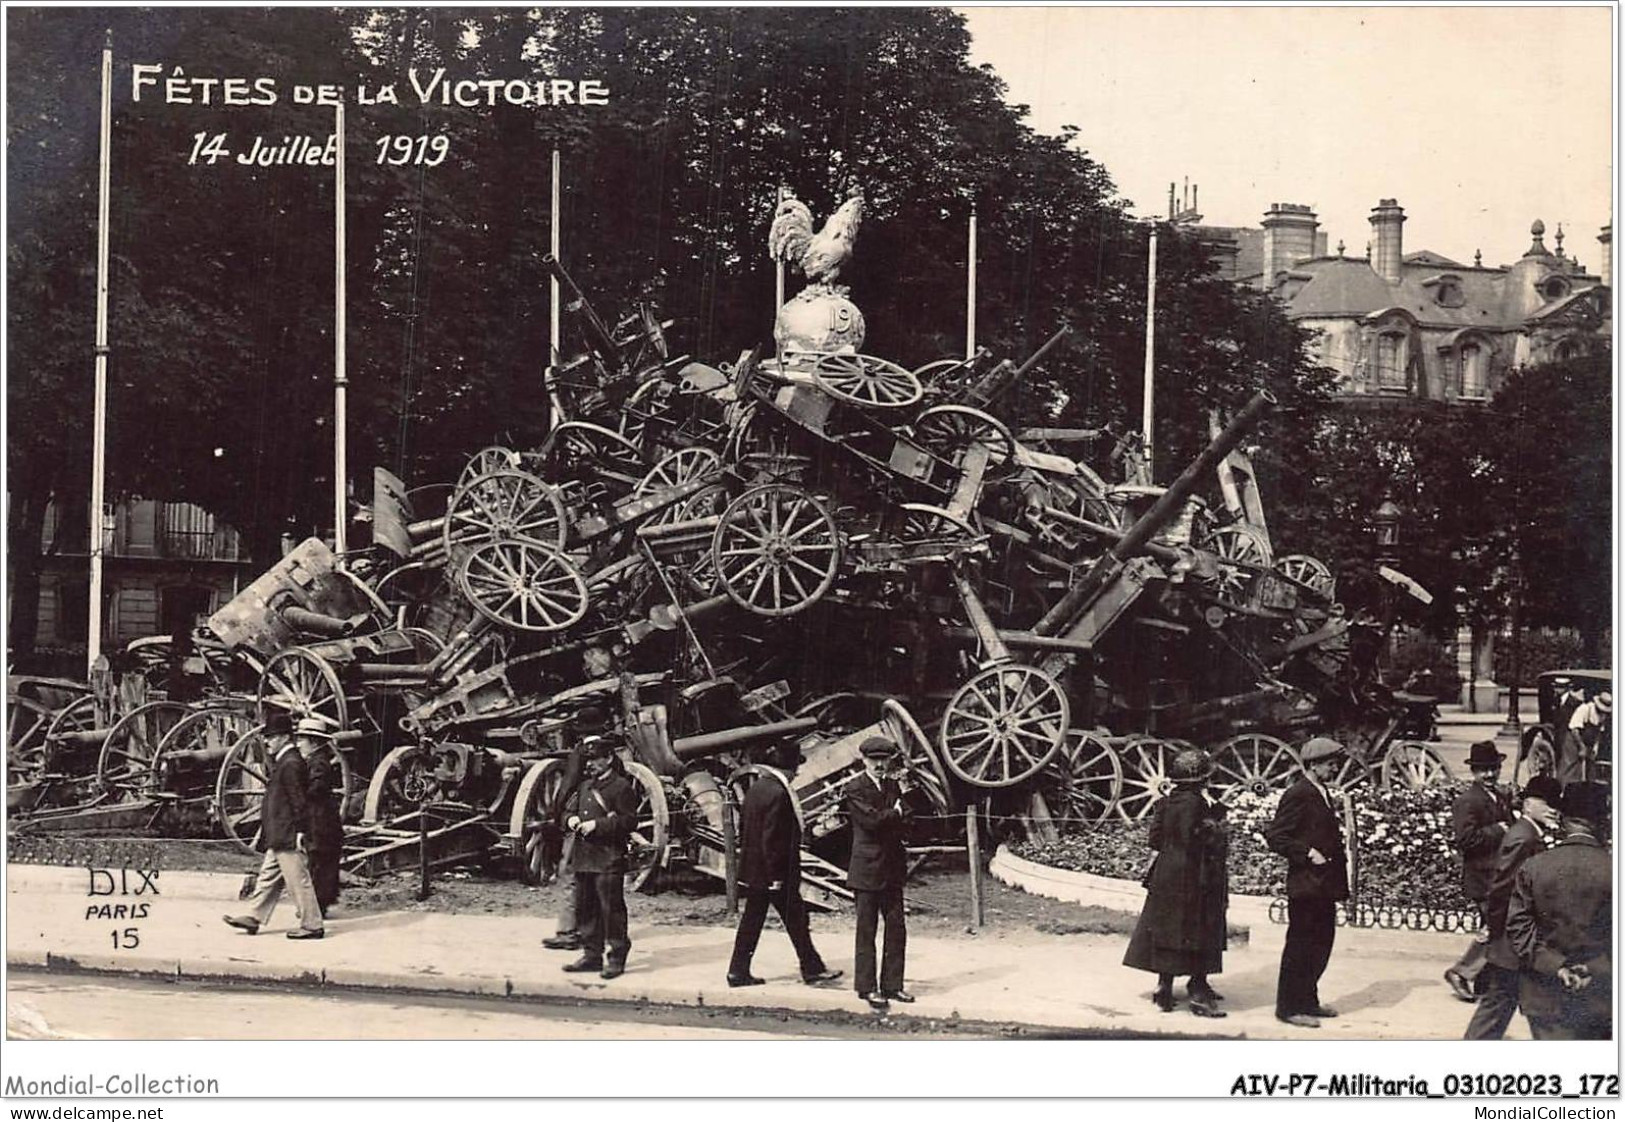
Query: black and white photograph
(1074,545)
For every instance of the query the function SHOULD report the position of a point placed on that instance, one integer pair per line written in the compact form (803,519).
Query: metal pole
(98,455)
(340,381)
(1150,322)
(778,265)
(730,851)
(973,854)
(554,306)
(970,291)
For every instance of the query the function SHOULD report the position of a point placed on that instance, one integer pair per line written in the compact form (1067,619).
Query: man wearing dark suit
(325,849)
(1498,981)
(873,803)
(770,850)
(1560,921)
(1305,831)
(1479,818)
(601,812)
(284,824)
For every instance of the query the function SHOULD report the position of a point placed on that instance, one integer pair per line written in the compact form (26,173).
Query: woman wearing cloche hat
(1181,928)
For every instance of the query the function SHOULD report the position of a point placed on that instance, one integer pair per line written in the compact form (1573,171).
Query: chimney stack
(1289,237)
(1388,239)
(1607,240)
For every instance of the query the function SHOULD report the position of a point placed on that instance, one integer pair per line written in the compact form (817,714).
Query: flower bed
(1406,860)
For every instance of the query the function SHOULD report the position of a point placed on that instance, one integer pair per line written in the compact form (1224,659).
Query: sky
(1477,120)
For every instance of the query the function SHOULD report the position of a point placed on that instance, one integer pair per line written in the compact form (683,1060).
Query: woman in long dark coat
(325,843)
(1181,929)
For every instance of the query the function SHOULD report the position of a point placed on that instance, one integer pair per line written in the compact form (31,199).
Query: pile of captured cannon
(816,544)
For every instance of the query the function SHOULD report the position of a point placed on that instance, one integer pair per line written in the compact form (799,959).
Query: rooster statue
(819,256)
(820,319)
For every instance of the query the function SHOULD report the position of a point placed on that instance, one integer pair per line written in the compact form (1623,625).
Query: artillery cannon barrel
(375,671)
(1111,533)
(424,528)
(1138,536)
(82,738)
(315,623)
(1005,375)
(709,743)
(1026,640)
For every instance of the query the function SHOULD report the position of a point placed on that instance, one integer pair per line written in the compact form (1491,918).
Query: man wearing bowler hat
(1305,831)
(284,827)
(1479,819)
(1560,921)
(873,803)
(770,831)
(1532,833)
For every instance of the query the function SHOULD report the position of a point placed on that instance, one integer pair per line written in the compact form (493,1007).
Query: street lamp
(1386,523)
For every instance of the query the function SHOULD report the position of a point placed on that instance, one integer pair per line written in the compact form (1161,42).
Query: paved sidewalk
(1387,984)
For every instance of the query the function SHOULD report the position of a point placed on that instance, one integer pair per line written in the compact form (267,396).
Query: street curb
(977,1020)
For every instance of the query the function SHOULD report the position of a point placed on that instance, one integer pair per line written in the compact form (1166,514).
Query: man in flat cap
(1560,921)
(874,804)
(770,831)
(1588,733)
(1305,831)
(1533,832)
(1479,819)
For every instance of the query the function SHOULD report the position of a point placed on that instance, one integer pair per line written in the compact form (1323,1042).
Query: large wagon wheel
(1411,766)
(501,506)
(776,549)
(128,764)
(575,445)
(27,722)
(400,783)
(866,381)
(704,808)
(1307,570)
(647,849)
(1145,776)
(1085,780)
(918,753)
(682,466)
(239,788)
(921,523)
(523,585)
(949,431)
(1252,763)
(1003,725)
(207,735)
(530,818)
(651,400)
(1243,547)
(488,460)
(1352,774)
(301,683)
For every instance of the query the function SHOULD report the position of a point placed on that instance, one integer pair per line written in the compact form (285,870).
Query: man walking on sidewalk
(600,813)
(284,823)
(1479,817)
(878,866)
(1498,981)
(1305,831)
(1561,923)
(770,851)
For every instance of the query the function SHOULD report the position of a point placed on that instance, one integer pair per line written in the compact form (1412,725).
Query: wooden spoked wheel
(128,764)
(27,722)
(1243,548)
(1308,571)
(946,370)
(1411,766)
(1352,774)
(1003,725)
(683,466)
(919,755)
(523,585)
(703,808)
(488,460)
(650,400)
(949,431)
(84,714)
(866,381)
(503,506)
(1145,776)
(575,445)
(530,819)
(1254,764)
(239,790)
(776,550)
(202,739)
(400,783)
(646,849)
(301,683)
(1085,780)
(924,523)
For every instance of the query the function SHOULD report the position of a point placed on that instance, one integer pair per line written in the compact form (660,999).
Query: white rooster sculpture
(819,256)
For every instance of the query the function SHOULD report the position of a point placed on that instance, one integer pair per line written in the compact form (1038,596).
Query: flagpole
(553,322)
(778,263)
(340,381)
(970,291)
(93,644)
(1150,322)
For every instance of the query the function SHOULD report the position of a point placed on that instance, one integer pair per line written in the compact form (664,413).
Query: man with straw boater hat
(1305,831)
(284,826)
(1479,819)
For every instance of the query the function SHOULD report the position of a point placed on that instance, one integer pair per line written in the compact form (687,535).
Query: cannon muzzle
(710,743)
(315,623)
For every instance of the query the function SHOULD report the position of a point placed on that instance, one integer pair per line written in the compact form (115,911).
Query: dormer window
(1449,294)
(1554,288)
(1475,365)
